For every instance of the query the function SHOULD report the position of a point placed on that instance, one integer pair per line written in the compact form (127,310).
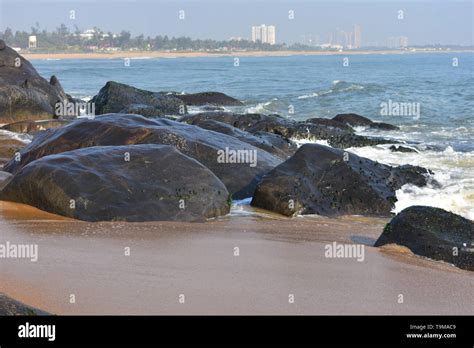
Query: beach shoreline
(181,54)
(278,256)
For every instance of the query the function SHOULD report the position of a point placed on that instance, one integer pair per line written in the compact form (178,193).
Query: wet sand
(278,257)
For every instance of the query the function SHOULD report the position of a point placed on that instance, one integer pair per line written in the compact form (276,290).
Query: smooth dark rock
(24,94)
(355,120)
(9,306)
(269,142)
(115,97)
(2,45)
(106,186)
(123,129)
(241,121)
(142,109)
(434,233)
(400,148)
(209,98)
(288,129)
(322,180)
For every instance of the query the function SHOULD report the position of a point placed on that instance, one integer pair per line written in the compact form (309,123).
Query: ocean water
(321,86)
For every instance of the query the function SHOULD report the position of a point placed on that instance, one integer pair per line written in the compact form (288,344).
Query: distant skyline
(424,22)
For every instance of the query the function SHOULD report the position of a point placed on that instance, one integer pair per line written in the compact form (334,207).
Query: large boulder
(9,306)
(203,145)
(24,94)
(121,183)
(355,120)
(434,233)
(117,97)
(241,121)
(339,137)
(208,98)
(326,181)
(269,142)
(142,109)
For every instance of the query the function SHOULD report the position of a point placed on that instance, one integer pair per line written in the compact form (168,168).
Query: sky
(424,21)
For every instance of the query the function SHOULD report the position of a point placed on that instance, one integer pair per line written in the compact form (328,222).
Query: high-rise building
(348,42)
(357,36)
(403,41)
(271,36)
(264,34)
(256,34)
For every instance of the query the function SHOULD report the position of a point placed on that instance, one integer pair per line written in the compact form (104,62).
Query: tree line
(63,39)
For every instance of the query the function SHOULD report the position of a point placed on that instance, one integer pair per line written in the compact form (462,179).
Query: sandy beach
(187,54)
(278,257)
(251,261)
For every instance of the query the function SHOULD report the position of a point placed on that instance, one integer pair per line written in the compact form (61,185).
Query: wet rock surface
(400,148)
(121,183)
(326,181)
(208,98)
(269,142)
(339,137)
(117,97)
(9,306)
(24,94)
(434,233)
(122,129)
(355,120)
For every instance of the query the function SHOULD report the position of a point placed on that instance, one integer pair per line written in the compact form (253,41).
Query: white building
(88,34)
(271,35)
(264,34)
(32,43)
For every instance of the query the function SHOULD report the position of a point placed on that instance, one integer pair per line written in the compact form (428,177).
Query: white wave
(260,107)
(307,96)
(24,138)
(454,198)
(241,207)
(301,141)
(87,98)
(141,58)
(454,171)
(193,109)
(338,87)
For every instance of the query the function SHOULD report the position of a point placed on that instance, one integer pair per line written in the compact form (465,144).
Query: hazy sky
(425,22)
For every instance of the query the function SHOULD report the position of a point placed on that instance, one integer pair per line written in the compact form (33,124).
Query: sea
(434,93)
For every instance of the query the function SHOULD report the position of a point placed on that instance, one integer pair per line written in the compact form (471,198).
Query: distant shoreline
(183,54)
